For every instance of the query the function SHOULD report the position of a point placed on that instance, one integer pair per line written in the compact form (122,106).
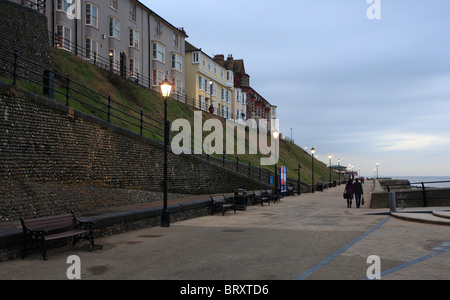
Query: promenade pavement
(311,236)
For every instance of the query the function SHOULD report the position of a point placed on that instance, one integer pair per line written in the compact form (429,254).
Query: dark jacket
(349,189)
(358,187)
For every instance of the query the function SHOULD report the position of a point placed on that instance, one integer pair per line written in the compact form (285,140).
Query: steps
(438,217)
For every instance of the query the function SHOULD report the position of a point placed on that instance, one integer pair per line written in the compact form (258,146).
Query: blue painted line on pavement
(410,263)
(339,252)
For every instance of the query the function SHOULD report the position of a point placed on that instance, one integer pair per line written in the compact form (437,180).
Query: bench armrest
(83,224)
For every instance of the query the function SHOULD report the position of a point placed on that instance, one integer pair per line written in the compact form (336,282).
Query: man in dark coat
(358,192)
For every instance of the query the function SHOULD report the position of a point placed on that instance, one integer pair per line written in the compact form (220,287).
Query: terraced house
(124,36)
(209,85)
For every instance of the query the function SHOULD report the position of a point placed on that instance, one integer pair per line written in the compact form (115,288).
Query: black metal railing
(428,192)
(37,5)
(80,97)
(114,65)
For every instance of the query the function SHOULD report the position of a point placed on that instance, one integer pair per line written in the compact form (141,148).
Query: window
(175,40)
(159,52)
(215,69)
(63,5)
(177,62)
(132,15)
(158,77)
(214,89)
(114,59)
(201,81)
(244,98)
(202,102)
(63,36)
(91,49)
(203,61)
(178,87)
(195,57)
(157,27)
(238,95)
(114,28)
(91,15)
(134,38)
(209,65)
(113,4)
(134,67)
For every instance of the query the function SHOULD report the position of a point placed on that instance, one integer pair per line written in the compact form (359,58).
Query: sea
(429,181)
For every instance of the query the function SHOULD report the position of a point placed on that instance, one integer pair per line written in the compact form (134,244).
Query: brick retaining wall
(53,158)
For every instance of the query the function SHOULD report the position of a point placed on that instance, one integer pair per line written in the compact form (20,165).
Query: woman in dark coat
(349,190)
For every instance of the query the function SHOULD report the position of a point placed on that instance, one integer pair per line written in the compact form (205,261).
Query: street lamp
(276,135)
(377,169)
(339,170)
(312,166)
(329,157)
(166,88)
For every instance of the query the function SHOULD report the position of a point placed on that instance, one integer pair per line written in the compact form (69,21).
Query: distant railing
(425,197)
(114,65)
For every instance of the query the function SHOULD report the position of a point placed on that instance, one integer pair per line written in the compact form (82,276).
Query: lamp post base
(165,219)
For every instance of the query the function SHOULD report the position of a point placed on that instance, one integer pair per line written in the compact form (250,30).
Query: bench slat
(51,223)
(65,234)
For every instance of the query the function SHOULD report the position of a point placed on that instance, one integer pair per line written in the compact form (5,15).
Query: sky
(364,90)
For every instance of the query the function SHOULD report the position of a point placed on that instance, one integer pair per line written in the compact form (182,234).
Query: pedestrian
(358,192)
(349,191)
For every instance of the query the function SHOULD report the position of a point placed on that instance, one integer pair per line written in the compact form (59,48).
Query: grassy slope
(140,98)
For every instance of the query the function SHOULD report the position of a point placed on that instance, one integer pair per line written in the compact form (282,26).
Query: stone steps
(435,217)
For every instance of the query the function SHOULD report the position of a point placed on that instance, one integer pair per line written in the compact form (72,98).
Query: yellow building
(209,85)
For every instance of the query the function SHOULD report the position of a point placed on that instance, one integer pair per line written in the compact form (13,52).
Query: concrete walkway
(311,236)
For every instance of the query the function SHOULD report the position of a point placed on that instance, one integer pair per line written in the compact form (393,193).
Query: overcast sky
(364,90)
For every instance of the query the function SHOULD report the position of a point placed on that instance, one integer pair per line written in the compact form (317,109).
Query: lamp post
(298,181)
(166,88)
(377,169)
(276,135)
(329,157)
(339,170)
(312,166)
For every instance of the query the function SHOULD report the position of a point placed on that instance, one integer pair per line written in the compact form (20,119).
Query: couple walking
(356,189)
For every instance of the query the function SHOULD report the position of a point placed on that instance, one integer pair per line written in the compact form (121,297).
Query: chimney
(220,59)
(230,62)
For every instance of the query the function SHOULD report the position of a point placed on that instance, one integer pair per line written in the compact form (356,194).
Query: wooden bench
(37,232)
(272,196)
(221,203)
(259,197)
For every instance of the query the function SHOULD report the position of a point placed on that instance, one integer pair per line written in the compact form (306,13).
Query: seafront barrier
(407,195)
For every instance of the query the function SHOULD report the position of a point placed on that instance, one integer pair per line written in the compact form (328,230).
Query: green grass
(151,104)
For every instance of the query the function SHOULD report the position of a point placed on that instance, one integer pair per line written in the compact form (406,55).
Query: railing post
(142,120)
(67,90)
(248,169)
(16,55)
(237,163)
(425,201)
(223,160)
(109,109)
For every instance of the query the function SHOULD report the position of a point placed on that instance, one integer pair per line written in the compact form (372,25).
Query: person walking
(349,191)
(358,192)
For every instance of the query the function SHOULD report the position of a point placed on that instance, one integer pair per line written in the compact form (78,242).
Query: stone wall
(25,31)
(53,159)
